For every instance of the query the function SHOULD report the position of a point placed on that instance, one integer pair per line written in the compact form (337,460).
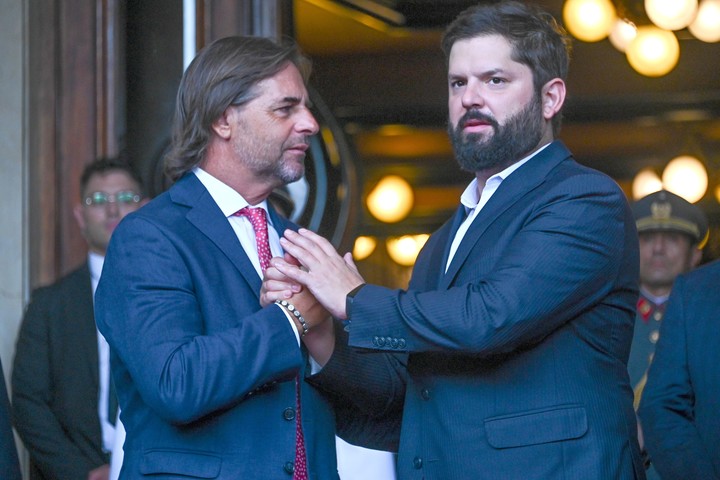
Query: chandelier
(646,36)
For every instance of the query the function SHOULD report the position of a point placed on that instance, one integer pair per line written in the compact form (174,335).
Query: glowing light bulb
(589,20)
(364,247)
(391,200)
(645,182)
(622,34)
(706,26)
(653,52)
(686,176)
(671,14)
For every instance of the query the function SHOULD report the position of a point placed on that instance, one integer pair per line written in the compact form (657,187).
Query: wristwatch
(350,297)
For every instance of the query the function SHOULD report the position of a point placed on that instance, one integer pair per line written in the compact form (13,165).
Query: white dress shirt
(230,202)
(474,201)
(95,264)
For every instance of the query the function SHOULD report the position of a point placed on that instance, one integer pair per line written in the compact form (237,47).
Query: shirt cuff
(292,324)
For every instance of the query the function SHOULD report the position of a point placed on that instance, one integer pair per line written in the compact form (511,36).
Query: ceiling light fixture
(589,20)
(404,250)
(686,176)
(706,26)
(671,14)
(622,34)
(364,247)
(391,200)
(652,50)
(646,181)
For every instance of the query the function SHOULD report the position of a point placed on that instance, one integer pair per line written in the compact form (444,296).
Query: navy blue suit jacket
(517,355)
(680,406)
(205,376)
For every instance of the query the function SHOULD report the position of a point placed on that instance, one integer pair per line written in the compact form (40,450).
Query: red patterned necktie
(300,471)
(259,223)
(257,218)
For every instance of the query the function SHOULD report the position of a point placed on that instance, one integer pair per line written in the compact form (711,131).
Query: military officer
(672,233)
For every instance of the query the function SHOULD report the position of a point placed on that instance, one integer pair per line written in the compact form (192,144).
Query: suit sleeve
(368,403)
(154,304)
(561,261)
(666,408)
(52,451)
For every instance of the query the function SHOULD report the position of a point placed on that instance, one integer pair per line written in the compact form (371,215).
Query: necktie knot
(258,220)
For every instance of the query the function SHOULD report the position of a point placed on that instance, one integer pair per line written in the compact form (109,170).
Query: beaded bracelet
(291,308)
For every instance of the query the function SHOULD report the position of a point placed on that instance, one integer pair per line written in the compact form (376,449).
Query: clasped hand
(310,263)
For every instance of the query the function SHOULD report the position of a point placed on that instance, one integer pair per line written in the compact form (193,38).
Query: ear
(695,257)
(552,97)
(222,126)
(79,218)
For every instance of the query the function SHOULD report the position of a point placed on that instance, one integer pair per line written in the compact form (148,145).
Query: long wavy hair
(224,73)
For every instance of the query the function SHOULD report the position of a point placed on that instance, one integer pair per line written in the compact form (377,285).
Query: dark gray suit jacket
(8,452)
(55,381)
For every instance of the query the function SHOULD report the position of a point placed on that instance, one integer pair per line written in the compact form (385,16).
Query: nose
(307,124)
(472,97)
(112,209)
(658,243)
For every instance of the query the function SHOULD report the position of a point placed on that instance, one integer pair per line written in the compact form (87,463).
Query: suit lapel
(446,235)
(80,309)
(511,190)
(207,217)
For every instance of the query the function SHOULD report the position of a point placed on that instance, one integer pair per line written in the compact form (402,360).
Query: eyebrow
(486,73)
(295,101)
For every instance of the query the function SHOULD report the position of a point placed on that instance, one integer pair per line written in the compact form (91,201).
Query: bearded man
(518,318)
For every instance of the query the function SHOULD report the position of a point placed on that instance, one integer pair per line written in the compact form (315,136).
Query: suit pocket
(533,427)
(178,462)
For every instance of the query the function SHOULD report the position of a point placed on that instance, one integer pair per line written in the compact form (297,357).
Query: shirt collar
(471,195)
(95,265)
(653,298)
(226,198)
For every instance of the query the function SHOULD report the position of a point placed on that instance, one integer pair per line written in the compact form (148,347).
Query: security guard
(672,233)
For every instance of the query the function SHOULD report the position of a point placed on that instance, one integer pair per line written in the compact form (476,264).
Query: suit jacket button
(289,468)
(381,341)
(394,343)
(401,343)
(417,463)
(289,414)
(425,393)
(376,341)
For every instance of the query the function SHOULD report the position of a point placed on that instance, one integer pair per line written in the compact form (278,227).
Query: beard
(271,165)
(509,142)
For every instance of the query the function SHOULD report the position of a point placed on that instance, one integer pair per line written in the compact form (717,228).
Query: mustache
(477,116)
